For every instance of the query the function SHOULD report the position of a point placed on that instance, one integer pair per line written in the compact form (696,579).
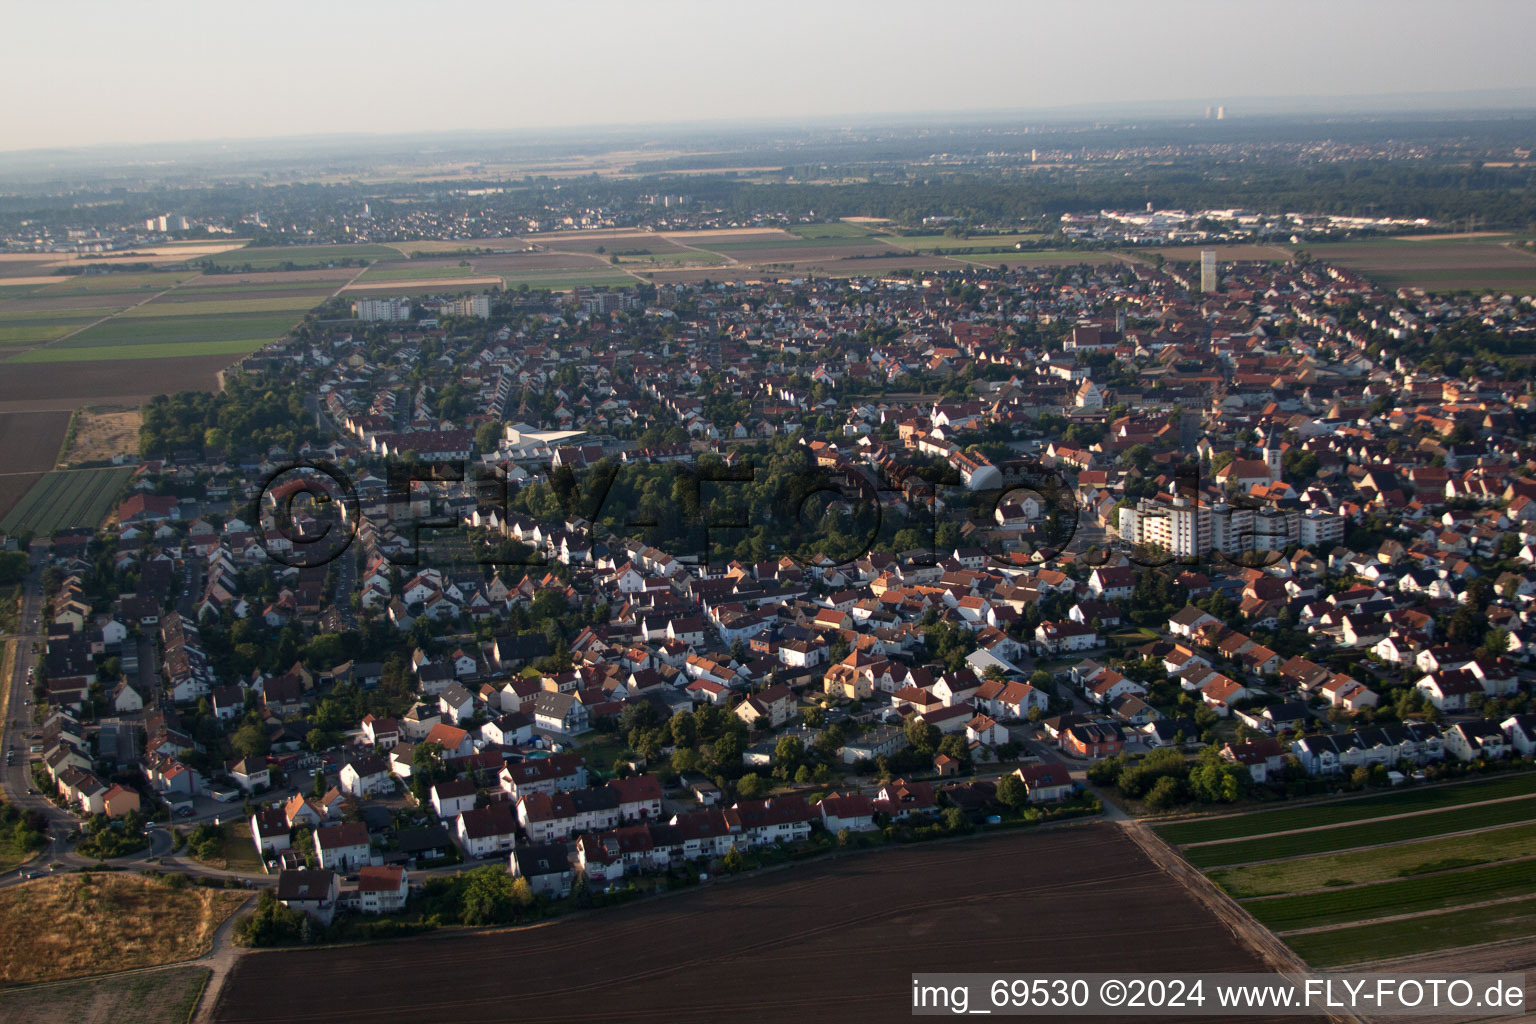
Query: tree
(1164,794)
(488,436)
(1011,792)
(924,736)
(956,821)
(250,740)
(685,729)
(487,897)
(522,893)
(1495,644)
(789,752)
(319,787)
(726,752)
(1217,781)
(752,786)
(685,759)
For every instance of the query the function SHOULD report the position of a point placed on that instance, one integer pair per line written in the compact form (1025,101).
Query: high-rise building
(1208,280)
(1221,113)
(468,305)
(382,309)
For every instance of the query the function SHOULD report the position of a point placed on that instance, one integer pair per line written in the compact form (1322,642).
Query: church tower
(1272,454)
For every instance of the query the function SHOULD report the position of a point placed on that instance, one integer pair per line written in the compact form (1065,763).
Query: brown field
(836,940)
(37,280)
(66,305)
(1453,234)
(72,925)
(29,444)
(14,487)
(1516,957)
(102,433)
(43,387)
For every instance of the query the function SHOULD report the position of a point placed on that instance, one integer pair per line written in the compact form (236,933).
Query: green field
(307,256)
(167,350)
(185,303)
(165,330)
(118,284)
(1384,864)
(1344,811)
(836,229)
(31,332)
(1385,899)
(1451,930)
(66,499)
(1344,837)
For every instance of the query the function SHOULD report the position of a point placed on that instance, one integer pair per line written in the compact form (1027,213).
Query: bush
(272,924)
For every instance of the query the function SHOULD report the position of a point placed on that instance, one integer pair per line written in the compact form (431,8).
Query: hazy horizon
(173,73)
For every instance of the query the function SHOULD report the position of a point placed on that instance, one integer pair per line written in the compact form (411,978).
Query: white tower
(1272,455)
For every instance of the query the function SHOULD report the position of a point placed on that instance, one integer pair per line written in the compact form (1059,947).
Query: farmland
(67,498)
(40,387)
(1344,837)
(1343,811)
(1437,263)
(1435,891)
(1402,860)
(1453,929)
(151,998)
(157,351)
(29,443)
(1425,869)
(306,257)
(167,329)
(158,314)
(950,244)
(845,930)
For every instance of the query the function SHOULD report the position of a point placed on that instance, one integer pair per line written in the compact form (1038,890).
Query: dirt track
(836,940)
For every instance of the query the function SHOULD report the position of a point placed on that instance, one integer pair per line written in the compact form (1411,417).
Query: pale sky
(76,73)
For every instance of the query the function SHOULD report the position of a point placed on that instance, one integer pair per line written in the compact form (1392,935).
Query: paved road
(16,779)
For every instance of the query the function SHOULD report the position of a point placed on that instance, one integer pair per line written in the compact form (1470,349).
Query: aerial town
(641,517)
(1297,551)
